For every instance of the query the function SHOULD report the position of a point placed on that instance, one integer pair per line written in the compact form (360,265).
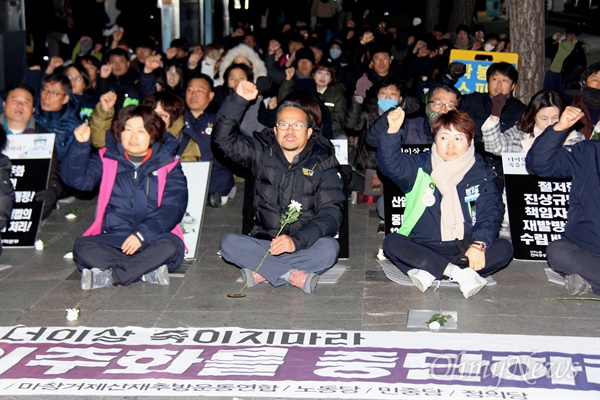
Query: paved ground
(41,284)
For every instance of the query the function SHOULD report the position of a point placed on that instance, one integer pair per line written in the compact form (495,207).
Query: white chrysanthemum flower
(295,205)
(38,245)
(435,325)
(72,314)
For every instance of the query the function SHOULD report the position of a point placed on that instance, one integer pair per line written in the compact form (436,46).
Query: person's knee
(556,252)
(329,251)
(227,242)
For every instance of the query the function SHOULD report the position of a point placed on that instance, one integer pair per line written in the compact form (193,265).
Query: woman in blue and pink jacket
(143,196)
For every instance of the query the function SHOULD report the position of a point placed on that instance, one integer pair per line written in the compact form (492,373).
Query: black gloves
(49,195)
(498,103)
(461,260)
(456,70)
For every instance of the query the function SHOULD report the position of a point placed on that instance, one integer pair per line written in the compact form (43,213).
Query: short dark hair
(91,59)
(462,28)
(170,102)
(591,70)
(21,86)
(379,48)
(201,76)
(146,42)
(247,70)
(446,88)
(119,53)
(65,83)
(153,124)
(459,120)
(542,99)
(503,68)
(390,81)
(293,104)
(180,43)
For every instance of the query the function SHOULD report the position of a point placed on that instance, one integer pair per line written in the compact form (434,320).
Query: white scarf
(446,175)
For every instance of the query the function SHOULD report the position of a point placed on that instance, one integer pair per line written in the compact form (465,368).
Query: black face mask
(591,96)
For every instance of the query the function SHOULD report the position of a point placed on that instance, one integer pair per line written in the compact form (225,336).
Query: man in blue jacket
(577,255)
(291,163)
(58,111)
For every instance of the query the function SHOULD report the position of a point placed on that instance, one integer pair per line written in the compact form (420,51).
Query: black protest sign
(30,155)
(537,208)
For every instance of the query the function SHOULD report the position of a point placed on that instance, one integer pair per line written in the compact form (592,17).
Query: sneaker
(251,278)
(576,285)
(95,278)
(159,276)
(214,200)
(421,278)
(469,281)
(307,281)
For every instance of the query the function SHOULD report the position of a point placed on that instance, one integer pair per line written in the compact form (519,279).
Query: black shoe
(214,200)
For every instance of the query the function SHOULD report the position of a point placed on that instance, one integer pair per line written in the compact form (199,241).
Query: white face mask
(489,47)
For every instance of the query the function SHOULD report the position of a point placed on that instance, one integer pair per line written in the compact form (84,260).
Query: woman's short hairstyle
(153,124)
(169,102)
(247,70)
(87,81)
(459,121)
(326,66)
(542,99)
(294,104)
(503,68)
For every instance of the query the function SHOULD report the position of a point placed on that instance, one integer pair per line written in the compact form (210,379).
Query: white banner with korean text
(232,362)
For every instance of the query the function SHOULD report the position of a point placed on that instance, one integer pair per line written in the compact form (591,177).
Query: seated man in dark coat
(293,165)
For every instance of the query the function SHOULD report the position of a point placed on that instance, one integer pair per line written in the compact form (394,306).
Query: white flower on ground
(295,205)
(72,314)
(434,325)
(69,255)
(38,245)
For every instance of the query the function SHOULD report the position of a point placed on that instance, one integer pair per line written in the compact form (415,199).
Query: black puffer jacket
(314,180)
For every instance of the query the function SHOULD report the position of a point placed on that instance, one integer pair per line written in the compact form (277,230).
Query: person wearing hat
(299,76)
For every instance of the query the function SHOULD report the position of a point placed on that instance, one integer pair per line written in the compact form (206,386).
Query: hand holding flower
(282,244)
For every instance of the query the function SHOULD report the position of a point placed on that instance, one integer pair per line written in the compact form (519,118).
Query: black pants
(566,258)
(89,252)
(407,254)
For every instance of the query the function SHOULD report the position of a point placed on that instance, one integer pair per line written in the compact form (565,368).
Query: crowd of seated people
(358,79)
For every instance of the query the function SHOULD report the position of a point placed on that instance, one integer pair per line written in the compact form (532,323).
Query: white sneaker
(469,281)
(421,278)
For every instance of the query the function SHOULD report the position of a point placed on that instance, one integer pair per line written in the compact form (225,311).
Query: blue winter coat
(581,161)
(62,123)
(133,205)
(402,169)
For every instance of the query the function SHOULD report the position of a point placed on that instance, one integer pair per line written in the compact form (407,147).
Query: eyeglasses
(54,95)
(439,104)
(76,78)
(296,126)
